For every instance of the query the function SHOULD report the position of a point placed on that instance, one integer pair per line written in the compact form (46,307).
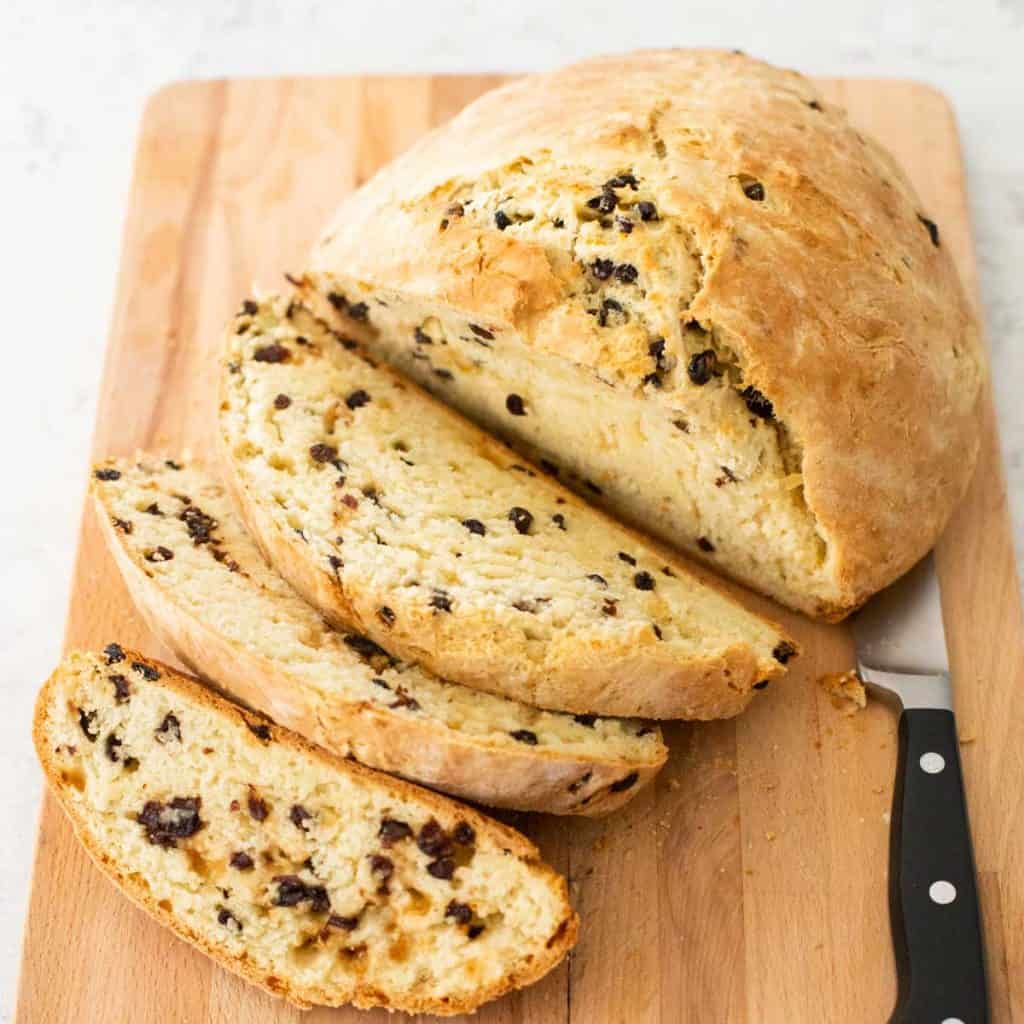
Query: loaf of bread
(397,518)
(201,583)
(688,282)
(308,875)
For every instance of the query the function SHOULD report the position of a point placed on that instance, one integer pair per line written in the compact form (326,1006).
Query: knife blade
(933,899)
(901,629)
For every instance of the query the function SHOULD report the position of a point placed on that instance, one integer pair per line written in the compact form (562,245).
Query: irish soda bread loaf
(687,281)
(310,876)
(396,517)
(206,591)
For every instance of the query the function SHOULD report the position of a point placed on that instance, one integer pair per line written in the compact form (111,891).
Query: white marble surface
(73,79)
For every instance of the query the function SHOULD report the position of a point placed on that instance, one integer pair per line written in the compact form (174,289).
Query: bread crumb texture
(686,282)
(846,690)
(314,878)
(393,514)
(202,583)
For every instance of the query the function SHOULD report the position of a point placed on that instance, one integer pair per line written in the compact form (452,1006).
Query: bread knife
(933,896)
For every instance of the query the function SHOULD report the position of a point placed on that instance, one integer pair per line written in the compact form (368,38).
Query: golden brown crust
(842,308)
(464,766)
(562,940)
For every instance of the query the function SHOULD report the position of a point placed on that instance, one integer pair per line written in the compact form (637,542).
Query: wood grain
(748,884)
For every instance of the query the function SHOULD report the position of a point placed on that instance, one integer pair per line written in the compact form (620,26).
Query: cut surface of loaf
(203,586)
(395,516)
(691,284)
(312,877)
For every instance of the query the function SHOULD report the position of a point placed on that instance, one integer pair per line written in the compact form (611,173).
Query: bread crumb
(966,737)
(846,690)
(673,783)
(770,836)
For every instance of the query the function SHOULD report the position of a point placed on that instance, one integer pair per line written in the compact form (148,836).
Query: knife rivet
(942,892)
(952,1020)
(932,763)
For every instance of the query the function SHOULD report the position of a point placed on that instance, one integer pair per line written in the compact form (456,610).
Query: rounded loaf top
(762,233)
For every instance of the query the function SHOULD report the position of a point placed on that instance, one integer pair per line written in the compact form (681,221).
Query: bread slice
(308,875)
(393,515)
(204,588)
(706,293)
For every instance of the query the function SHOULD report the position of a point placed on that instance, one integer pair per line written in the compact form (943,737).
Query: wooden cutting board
(748,883)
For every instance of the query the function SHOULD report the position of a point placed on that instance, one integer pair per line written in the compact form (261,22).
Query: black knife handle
(936,922)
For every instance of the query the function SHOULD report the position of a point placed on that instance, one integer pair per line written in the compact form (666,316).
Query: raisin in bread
(310,876)
(204,588)
(398,518)
(690,283)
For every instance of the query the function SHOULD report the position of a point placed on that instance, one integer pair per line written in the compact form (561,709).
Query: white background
(73,78)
